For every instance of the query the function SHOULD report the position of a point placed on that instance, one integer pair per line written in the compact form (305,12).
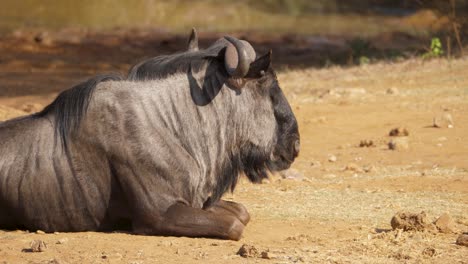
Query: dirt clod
(399,132)
(400,143)
(366,143)
(429,252)
(248,251)
(267,255)
(410,221)
(444,224)
(38,246)
(462,240)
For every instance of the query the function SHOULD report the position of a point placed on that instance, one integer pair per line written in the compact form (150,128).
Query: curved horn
(193,41)
(239,68)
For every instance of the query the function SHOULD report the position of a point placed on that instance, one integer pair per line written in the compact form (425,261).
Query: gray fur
(142,146)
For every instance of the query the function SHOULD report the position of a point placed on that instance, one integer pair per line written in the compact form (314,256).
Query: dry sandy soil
(334,206)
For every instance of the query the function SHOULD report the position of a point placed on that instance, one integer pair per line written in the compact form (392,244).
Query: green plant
(435,51)
(363,60)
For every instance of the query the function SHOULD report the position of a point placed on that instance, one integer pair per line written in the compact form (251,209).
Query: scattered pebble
(291,174)
(247,251)
(315,164)
(366,143)
(267,255)
(462,240)
(265,181)
(320,119)
(444,224)
(399,132)
(353,167)
(400,143)
(38,246)
(332,158)
(368,169)
(62,241)
(43,38)
(392,91)
(40,232)
(56,261)
(444,120)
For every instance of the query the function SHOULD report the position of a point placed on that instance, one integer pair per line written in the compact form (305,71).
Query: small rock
(57,261)
(62,241)
(462,240)
(410,221)
(429,252)
(291,174)
(444,120)
(353,167)
(366,143)
(392,91)
(400,143)
(332,158)
(315,164)
(444,224)
(43,38)
(247,251)
(267,255)
(38,246)
(368,169)
(265,181)
(399,132)
(40,232)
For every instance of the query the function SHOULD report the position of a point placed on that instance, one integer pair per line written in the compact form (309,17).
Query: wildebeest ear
(193,40)
(259,66)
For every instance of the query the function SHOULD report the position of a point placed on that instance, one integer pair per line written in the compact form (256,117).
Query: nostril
(297,147)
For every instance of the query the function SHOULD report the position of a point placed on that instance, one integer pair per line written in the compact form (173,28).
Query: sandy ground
(334,205)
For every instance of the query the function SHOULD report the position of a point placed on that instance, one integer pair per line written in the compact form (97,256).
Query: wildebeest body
(145,151)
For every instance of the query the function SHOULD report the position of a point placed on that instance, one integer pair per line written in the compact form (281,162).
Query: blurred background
(58,43)
(342,31)
(348,17)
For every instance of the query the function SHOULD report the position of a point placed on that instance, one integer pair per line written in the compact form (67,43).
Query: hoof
(235,230)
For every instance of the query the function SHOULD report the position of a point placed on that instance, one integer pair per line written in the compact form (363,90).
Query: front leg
(227,207)
(183,220)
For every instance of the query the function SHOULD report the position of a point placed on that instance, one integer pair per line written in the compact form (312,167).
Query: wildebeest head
(270,130)
(248,71)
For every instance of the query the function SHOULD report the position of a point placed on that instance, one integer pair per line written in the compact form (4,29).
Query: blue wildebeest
(155,152)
